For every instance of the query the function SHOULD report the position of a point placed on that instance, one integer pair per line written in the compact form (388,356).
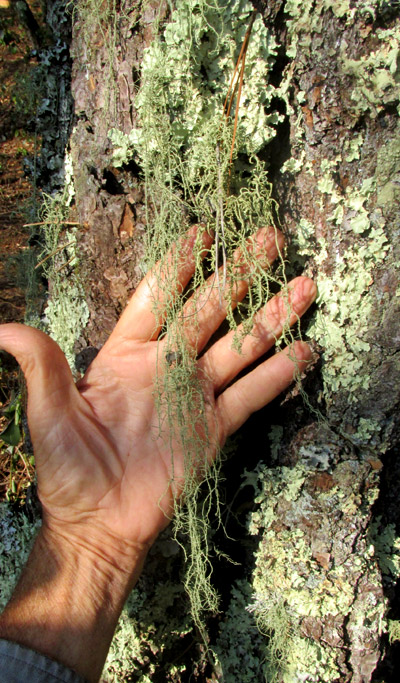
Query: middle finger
(207,309)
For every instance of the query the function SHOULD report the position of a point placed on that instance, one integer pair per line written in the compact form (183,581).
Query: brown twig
(64,265)
(54,253)
(235,84)
(30,225)
(241,61)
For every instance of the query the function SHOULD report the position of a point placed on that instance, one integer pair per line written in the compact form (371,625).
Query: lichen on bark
(320,558)
(334,172)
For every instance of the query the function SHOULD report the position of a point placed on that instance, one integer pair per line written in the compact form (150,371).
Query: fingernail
(310,289)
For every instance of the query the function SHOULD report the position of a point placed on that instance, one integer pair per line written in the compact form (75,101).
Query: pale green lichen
(393,630)
(275,435)
(352,147)
(98,23)
(349,204)
(125,653)
(376,74)
(293,165)
(345,276)
(240,648)
(340,324)
(289,583)
(306,18)
(66,313)
(386,546)
(16,538)
(151,622)
(182,143)
(367,433)
(282,597)
(194,63)
(372,8)
(388,173)
(298,575)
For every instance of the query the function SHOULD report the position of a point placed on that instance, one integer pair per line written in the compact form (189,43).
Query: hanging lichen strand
(183,144)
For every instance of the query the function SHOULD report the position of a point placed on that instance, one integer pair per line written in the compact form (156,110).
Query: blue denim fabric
(20,665)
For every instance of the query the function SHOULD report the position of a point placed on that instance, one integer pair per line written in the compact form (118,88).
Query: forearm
(68,600)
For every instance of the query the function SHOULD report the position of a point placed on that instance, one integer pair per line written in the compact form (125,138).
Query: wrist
(70,596)
(99,550)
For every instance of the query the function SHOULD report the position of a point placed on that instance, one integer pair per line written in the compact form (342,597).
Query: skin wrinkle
(140,396)
(110,559)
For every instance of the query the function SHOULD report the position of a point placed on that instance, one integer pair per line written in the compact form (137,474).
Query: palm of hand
(113,434)
(100,456)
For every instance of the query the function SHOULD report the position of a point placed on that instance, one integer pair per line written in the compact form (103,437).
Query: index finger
(144,315)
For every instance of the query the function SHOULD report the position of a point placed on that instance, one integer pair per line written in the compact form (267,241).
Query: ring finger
(207,309)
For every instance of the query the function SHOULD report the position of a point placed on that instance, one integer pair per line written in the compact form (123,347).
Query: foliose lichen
(66,313)
(16,537)
(393,630)
(305,19)
(193,62)
(375,74)
(297,603)
(152,622)
(352,207)
(240,647)
(341,323)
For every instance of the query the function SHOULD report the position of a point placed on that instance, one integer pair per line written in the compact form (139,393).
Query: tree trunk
(314,512)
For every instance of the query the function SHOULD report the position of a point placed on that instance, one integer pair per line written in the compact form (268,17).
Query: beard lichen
(193,175)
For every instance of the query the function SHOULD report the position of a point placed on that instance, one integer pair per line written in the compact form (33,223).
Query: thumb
(48,377)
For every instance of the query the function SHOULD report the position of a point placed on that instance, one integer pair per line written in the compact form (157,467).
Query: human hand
(104,471)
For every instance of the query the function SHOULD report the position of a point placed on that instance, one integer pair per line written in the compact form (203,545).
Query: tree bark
(324,508)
